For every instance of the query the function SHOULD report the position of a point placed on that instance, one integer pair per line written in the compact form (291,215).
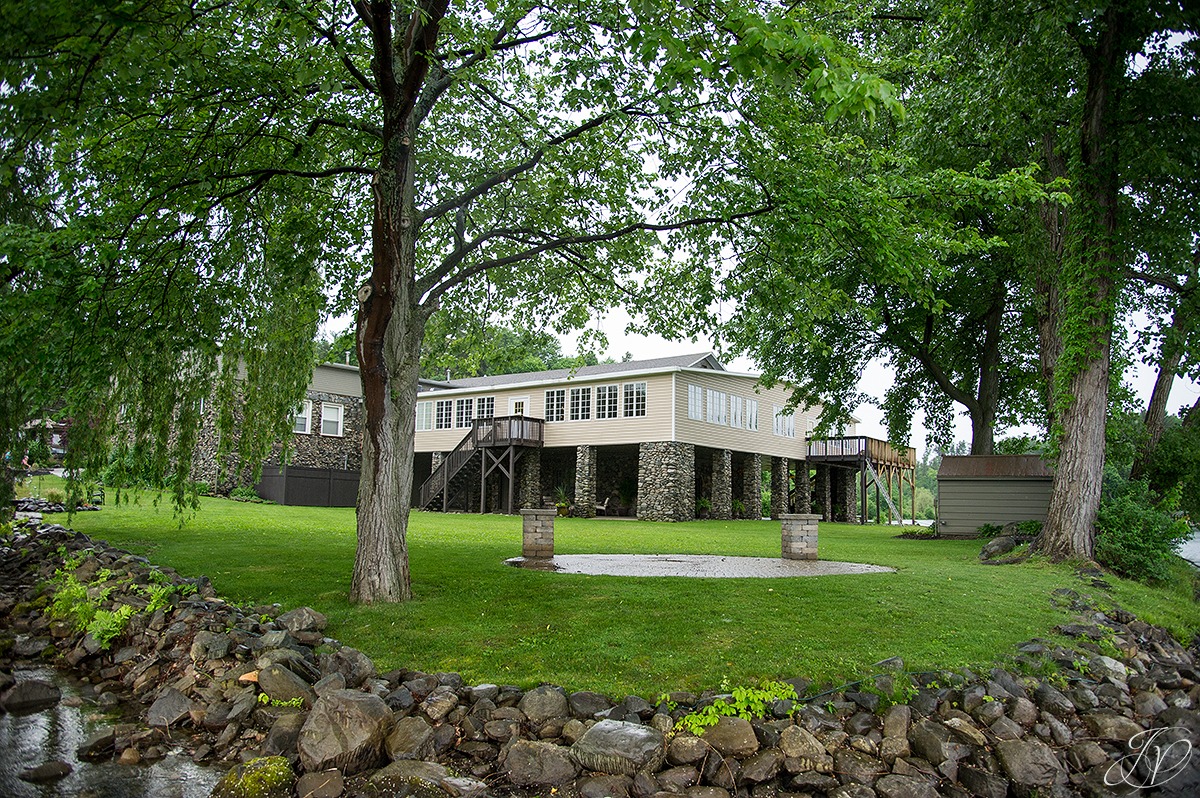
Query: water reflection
(27,741)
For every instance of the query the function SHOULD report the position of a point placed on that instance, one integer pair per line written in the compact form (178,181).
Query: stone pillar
(849,494)
(435,459)
(585,481)
(799,536)
(779,486)
(537,534)
(666,481)
(529,479)
(722,484)
(752,486)
(803,488)
(824,492)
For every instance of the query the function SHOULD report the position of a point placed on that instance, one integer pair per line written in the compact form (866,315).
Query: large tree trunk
(1087,299)
(983,415)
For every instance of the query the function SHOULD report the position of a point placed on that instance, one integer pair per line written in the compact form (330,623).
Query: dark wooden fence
(309,487)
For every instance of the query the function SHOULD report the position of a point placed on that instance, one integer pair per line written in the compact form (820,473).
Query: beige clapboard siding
(334,378)
(722,436)
(655,426)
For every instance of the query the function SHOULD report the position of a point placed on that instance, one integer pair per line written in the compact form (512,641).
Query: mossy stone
(265,777)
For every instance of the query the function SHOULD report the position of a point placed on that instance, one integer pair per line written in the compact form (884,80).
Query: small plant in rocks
(743,702)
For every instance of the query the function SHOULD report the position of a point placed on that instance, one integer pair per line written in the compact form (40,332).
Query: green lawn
(493,623)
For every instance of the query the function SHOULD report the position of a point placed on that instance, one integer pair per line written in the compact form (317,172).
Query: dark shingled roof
(994,465)
(700,360)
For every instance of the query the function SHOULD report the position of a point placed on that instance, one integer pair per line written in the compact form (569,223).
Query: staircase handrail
(879,488)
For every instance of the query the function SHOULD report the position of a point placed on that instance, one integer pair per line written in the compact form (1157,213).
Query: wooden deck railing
(485,433)
(861,447)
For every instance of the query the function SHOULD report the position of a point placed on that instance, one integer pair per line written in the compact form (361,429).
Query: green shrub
(55,497)
(1136,533)
(244,494)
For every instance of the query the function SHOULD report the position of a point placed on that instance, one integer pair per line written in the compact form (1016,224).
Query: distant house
(662,439)
(991,489)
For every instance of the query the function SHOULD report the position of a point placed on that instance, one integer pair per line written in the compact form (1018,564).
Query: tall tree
(498,151)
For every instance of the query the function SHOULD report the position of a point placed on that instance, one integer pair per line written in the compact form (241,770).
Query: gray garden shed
(991,489)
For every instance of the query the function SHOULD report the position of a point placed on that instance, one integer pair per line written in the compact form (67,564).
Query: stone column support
(803,488)
(779,486)
(752,486)
(529,479)
(537,534)
(585,481)
(799,536)
(824,492)
(722,484)
(666,481)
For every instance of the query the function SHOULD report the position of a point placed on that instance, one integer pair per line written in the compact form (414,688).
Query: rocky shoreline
(294,713)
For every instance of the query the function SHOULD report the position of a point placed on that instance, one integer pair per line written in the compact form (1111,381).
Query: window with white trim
(332,416)
(716,407)
(695,402)
(752,414)
(633,399)
(302,423)
(464,412)
(485,407)
(444,417)
(556,405)
(581,404)
(424,416)
(785,423)
(606,401)
(735,411)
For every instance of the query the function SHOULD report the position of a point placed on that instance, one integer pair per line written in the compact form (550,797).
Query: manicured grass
(494,623)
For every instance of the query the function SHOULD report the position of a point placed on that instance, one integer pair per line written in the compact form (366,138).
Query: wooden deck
(854,450)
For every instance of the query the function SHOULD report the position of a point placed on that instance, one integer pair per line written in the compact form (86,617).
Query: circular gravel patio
(694,565)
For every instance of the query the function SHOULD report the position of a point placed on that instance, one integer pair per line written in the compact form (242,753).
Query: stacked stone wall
(666,481)
(751,486)
(529,479)
(585,481)
(803,488)
(779,486)
(722,484)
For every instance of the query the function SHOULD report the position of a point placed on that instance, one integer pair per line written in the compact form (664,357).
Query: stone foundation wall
(751,486)
(823,493)
(585,481)
(779,486)
(666,481)
(529,479)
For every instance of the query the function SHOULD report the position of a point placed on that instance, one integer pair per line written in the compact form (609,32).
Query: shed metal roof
(994,465)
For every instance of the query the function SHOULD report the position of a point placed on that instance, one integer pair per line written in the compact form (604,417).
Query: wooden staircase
(493,445)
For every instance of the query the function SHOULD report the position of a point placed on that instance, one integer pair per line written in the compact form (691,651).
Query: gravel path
(695,565)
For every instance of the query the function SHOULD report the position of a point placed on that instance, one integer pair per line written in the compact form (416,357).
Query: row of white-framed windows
(302,424)
(333,418)
(735,412)
(634,399)
(556,404)
(444,419)
(581,404)
(695,402)
(464,412)
(752,414)
(606,401)
(424,416)
(485,407)
(716,407)
(785,424)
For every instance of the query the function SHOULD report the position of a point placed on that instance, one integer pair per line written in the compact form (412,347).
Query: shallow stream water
(27,741)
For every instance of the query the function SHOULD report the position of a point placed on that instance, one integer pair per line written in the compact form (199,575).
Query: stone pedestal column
(666,481)
(799,536)
(529,479)
(752,486)
(803,488)
(585,481)
(848,495)
(722,484)
(537,534)
(824,492)
(779,486)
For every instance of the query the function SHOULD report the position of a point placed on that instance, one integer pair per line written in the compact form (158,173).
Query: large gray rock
(535,763)
(285,732)
(857,767)
(1030,764)
(354,666)
(762,766)
(31,695)
(542,703)
(46,772)
(345,730)
(893,786)
(619,748)
(732,736)
(302,619)
(326,784)
(1105,724)
(411,739)
(935,743)
(686,749)
(280,684)
(439,703)
(170,708)
(585,704)
(1051,699)
(209,645)
(411,777)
